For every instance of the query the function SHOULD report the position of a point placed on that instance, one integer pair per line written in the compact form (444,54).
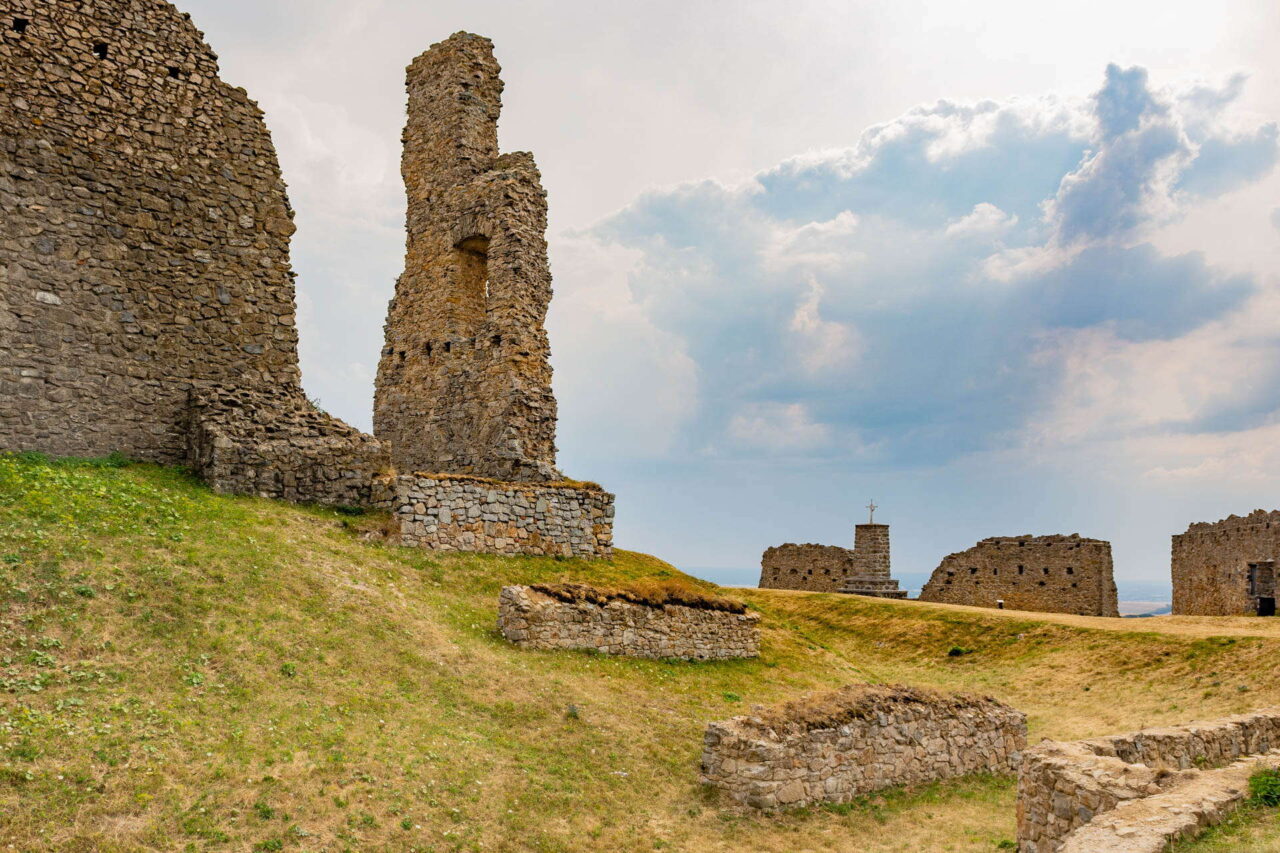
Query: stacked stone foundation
(452,513)
(876,738)
(1138,791)
(534,620)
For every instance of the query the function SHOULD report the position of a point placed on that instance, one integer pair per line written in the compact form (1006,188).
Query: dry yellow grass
(183,671)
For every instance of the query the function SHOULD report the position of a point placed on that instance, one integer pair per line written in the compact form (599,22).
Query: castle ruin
(1051,574)
(1227,568)
(464,383)
(862,570)
(146,295)
(147,298)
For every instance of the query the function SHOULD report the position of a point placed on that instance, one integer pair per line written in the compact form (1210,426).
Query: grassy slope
(180,670)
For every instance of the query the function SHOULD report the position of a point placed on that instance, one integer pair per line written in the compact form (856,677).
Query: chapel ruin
(862,570)
(1227,568)
(1051,574)
(464,384)
(147,298)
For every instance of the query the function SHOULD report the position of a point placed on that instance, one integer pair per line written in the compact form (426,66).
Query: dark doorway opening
(1266,607)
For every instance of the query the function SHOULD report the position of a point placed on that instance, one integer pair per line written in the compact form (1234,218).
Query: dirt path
(1192,626)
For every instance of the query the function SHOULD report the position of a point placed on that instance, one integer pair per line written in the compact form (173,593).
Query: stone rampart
(835,747)
(1052,574)
(144,251)
(453,513)
(862,570)
(536,620)
(1210,564)
(1063,787)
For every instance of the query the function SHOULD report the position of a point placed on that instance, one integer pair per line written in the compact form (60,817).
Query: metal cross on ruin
(872,506)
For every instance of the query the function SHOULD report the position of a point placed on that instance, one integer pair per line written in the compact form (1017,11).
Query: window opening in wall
(496,340)
(1021,569)
(174,73)
(100,50)
(473,264)
(448,346)
(428,349)
(994,570)
(1046,570)
(20,25)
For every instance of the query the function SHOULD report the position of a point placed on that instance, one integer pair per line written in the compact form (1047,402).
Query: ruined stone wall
(883,737)
(1052,574)
(144,242)
(464,382)
(1065,786)
(533,620)
(1210,563)
(824,568)
(449,513)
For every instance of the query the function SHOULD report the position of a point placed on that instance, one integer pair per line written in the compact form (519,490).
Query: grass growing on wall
(186,671)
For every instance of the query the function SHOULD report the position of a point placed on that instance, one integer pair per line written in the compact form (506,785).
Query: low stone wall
(534,620)
(278,445)
(449,513)
(1063,787)
(835,747)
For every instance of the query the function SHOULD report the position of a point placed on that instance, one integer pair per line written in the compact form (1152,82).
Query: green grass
(186,671)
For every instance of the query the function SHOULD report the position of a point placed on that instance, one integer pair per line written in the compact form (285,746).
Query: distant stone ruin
(1227,568)
(836,746)
(1138,792)
(464,384)
(571,616)
(862,570)
(1051,574)
(147,300)
(146,295)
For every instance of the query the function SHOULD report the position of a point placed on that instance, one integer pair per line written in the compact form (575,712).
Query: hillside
(182,670)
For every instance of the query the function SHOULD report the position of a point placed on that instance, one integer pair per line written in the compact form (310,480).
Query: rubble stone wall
(453,513)
(824,568)
(533,620)
(897,739)
(1063,786)
(144,246)
(464,382)
(1052,574)
(1210,563)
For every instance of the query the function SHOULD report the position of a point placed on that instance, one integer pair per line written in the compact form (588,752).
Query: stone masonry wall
(1063,786)
(464,383)
(144,242)
(824,568)
(884,737)
(1210,563)
(1052,574)
(448,513)
(245,443)
(533,620)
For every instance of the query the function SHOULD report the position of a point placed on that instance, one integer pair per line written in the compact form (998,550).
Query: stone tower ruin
(1227,568)
(464,381)
(862,570)
(146,294)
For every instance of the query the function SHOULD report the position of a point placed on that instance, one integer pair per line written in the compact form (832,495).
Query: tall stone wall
(1052,574)
(464,382)
(144,242)
(453,513)
(859,740)
(535,620)
(1064,787)
(864,569)
(1210,564)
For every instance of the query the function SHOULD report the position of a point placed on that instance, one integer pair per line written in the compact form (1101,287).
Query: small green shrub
(958,651)
(1264,787)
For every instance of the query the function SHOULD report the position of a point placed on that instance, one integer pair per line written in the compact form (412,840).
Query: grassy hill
(182,670)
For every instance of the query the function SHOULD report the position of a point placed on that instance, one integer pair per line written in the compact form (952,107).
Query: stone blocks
(862,570)
(837,746)
(1136,791)
(534,620)
(1210,564)
(453,513)
(1051,574)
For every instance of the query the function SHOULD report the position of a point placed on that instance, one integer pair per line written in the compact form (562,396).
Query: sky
(1004,267)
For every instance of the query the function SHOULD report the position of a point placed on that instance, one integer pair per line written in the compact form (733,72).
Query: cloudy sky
(1006,267)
